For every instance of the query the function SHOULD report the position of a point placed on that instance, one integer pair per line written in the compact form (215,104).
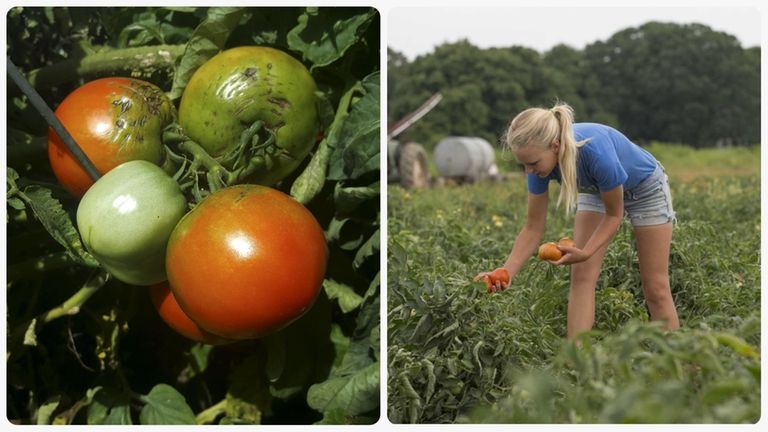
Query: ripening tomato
(113,120)
(247,261)
(498,275)
(125,220)
(239,86)
(170,311)
(550,252)
(566,241)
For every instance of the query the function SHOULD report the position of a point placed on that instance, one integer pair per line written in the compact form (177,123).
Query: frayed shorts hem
(647,204)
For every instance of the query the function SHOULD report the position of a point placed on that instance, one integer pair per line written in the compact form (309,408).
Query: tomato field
(459,355)
(208,251)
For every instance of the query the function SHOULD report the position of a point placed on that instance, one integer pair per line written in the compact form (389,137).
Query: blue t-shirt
(607,160)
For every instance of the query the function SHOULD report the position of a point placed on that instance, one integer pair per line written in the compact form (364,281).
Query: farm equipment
(458,159)
(407,162)
(465,159)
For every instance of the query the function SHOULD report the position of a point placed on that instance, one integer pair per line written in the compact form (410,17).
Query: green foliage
(639,375)
(84,348)
(685,84)
(457,354)
(680,83)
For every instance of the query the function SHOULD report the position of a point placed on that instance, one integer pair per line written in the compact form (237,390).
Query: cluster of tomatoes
(245,261)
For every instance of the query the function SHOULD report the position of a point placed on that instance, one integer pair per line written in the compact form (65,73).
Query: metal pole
(41,107)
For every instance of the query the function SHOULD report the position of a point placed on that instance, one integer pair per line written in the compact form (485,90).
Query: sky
(414,31)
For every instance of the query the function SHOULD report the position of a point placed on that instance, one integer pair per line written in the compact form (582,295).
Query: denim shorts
(648,203)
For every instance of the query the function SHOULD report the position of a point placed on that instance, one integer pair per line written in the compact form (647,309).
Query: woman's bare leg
(581,298)
(653,244)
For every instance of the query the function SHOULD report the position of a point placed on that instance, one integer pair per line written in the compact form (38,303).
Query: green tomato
(126,218)
(241,85)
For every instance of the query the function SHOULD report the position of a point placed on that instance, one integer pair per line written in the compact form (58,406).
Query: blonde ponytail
(541,127)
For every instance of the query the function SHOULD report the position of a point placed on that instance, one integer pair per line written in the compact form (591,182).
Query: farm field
(459,355)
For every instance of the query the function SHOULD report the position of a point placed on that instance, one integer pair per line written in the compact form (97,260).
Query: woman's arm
(614,212)
(528,239)
(525,243)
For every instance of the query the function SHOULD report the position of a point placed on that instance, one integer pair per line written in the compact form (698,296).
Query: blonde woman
(603,175)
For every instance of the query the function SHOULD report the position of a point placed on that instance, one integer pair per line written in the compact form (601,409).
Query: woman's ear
(555,146)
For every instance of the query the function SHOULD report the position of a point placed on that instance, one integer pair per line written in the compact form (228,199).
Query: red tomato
(247,261)
(174,316)
(113,120)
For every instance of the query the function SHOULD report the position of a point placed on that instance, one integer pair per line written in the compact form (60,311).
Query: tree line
(685,84)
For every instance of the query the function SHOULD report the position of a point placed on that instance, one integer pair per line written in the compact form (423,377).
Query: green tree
(679,83)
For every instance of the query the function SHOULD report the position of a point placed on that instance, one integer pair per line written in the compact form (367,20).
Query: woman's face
(537,160)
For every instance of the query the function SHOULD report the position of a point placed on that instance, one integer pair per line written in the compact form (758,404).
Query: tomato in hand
(247,261)
(170,311)
(499,275)
(113,120)
(239,86)
(125,220)
(549,252)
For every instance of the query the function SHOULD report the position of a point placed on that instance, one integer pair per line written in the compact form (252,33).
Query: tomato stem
(148,60)
(40,264)
(26,331)
(200,156)
(72,305)
(208,416)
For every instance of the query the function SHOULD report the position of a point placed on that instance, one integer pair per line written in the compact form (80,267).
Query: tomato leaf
(197,360)
(347,199)
(353,385)
(207,40)
(51,214)
(310,182)
(348,299)
(324,38)
(356,150)
(340,344)
(303,350)
(109,407)
(368,249)
(30,334)
(46,410)
(165,405)
(325,111)
(66,416)
(152,27)
(354,394)
(333,232)
(16,203)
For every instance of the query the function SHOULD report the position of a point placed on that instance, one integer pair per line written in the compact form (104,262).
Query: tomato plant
(262,250)
(457,355)
(243,85)
(86,346)
(126,218)
(113,120)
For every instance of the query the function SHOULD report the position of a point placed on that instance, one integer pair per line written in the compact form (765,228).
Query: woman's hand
(496,281)
(571,255)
